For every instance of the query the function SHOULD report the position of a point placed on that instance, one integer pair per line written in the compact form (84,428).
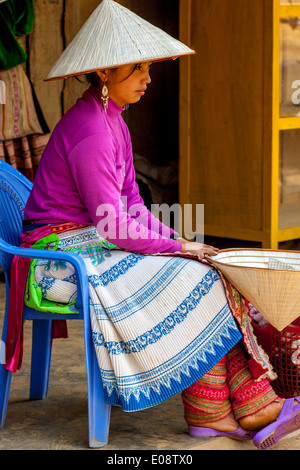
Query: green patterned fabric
(16,20)
(33,293)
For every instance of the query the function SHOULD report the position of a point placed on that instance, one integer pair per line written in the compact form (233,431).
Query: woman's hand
(196,248)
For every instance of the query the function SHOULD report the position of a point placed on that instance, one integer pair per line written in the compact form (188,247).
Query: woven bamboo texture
(269,279)
(112,36)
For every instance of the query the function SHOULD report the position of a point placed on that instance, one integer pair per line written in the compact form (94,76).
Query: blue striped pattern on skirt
(159,322)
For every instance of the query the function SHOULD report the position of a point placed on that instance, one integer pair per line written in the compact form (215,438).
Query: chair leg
(40,358)
(99,411)
(5,380)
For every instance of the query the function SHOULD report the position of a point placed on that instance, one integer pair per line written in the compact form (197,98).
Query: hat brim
(85,72)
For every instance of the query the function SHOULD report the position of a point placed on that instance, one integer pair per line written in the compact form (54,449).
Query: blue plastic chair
(14,192)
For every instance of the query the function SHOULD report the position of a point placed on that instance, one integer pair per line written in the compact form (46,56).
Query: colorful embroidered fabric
(36,293)
(229,386)
(207,400)
(25,290)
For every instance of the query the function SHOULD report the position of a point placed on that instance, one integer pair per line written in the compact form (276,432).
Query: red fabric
(18,279)
(208,399)
(229,385)
(258,363)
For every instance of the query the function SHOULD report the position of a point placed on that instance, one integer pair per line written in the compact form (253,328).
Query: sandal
(287,422)
(240,434)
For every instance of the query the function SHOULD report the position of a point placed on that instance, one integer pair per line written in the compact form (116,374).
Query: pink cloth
(18,279)
(87,165)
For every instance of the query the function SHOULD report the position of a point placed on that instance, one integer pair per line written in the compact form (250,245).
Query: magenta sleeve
(99,183)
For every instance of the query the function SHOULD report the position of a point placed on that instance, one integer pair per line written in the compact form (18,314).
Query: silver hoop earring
(104,97)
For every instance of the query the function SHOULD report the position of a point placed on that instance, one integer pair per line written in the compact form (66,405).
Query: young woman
(163,322)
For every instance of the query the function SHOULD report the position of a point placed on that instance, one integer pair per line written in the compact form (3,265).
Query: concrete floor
(60,421)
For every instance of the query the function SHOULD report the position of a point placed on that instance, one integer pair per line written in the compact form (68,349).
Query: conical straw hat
(114,36)
(270,280)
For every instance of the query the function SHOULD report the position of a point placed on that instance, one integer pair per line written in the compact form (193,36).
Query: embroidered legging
(228,386)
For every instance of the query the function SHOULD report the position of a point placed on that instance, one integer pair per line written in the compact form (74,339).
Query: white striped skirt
(159,322)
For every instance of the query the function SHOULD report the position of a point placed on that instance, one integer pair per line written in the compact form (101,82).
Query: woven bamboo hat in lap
(114,36)
(269,279)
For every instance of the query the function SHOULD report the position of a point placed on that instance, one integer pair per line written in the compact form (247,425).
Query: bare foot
(263,417)
(227,424)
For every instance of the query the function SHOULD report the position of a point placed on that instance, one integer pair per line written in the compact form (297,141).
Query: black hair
(94,79)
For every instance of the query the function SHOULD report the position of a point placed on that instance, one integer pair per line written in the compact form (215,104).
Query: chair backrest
(14,192)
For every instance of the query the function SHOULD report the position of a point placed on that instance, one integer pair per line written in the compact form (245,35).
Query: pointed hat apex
(114,36)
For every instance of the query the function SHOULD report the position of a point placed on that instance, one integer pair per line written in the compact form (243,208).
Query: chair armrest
(75,260)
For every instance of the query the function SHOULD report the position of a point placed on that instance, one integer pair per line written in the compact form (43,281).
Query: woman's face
(128,83)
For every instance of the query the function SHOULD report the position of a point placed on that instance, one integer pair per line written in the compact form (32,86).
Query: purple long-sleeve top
(86,176)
